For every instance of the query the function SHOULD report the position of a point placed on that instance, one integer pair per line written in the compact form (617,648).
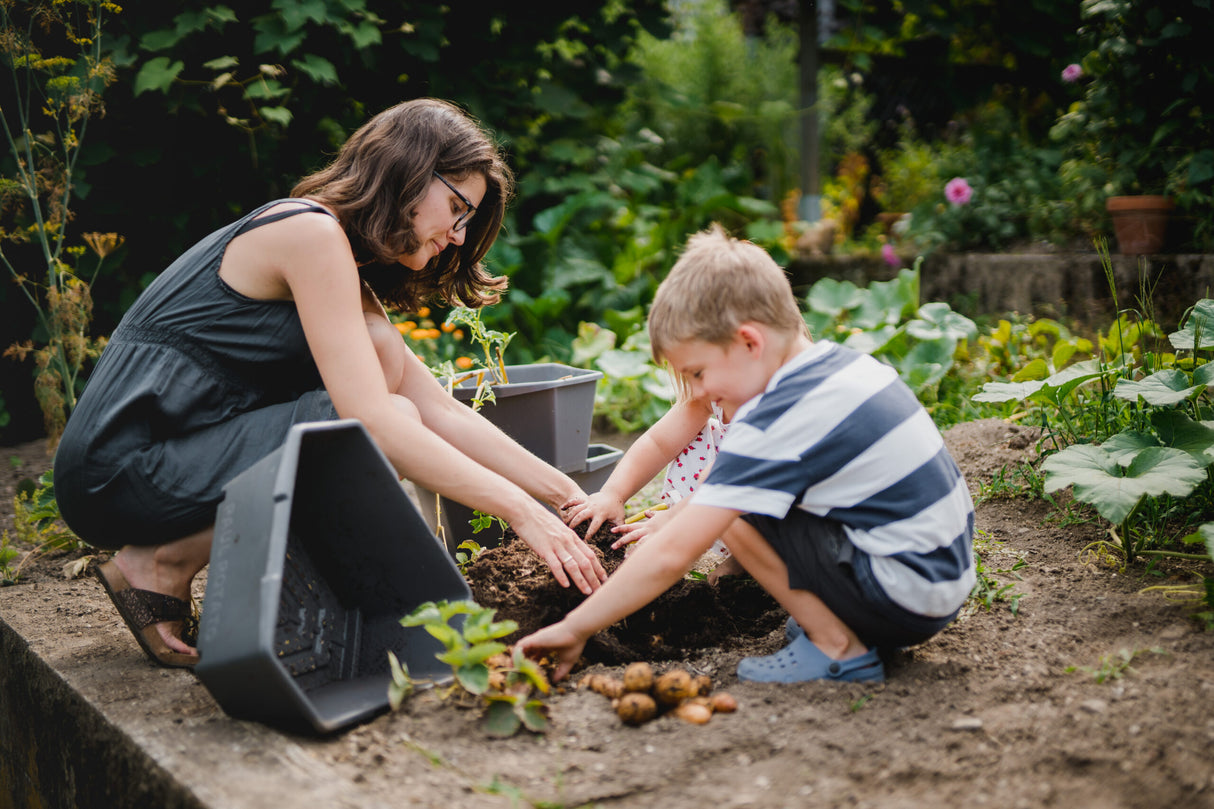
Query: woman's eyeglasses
(461,221)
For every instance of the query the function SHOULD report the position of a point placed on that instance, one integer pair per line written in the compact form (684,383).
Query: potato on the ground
(693,712)
(638,677)
(673,687)
(636,708)
(723,702)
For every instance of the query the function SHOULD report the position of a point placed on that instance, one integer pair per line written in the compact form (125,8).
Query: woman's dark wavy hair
(383,172)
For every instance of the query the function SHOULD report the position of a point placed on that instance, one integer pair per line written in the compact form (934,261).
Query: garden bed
(1030,709)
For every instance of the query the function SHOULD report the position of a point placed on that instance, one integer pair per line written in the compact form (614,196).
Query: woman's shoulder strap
(256,220)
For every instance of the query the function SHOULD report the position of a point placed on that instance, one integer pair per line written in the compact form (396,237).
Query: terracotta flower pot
(1140,222)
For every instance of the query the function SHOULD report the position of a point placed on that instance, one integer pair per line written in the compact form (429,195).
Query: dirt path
(984,714)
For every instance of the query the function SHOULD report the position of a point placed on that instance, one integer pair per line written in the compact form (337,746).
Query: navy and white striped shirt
(838,434)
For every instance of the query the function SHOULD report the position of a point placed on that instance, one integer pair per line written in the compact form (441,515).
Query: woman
(276,319)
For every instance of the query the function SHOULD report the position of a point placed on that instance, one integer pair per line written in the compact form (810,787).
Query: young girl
(277,319)
(685,442)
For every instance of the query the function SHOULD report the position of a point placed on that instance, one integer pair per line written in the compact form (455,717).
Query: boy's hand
(556,642)
(599,508)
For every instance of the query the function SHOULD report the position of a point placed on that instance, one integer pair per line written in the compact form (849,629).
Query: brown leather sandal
(142,610)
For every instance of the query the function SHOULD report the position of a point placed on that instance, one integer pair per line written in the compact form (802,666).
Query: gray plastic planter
(597,464)
(547,407)
(318,554)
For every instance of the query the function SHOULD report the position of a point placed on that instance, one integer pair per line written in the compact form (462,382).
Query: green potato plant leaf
(1115,490)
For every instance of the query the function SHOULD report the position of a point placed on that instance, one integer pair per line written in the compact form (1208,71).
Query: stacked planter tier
(318,553)
(548,408)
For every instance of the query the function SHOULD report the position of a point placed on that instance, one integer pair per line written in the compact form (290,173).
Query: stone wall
(1070,285)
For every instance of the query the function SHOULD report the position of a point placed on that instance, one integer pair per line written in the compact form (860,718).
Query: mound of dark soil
(693,615)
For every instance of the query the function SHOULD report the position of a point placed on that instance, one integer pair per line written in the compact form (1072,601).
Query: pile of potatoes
(642,695)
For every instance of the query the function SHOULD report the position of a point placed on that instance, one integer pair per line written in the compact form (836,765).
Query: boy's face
(729,375)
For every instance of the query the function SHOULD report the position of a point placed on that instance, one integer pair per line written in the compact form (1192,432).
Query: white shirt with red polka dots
(685,472)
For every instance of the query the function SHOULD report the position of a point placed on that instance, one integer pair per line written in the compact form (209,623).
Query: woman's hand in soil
(563,551)
(599,508)
(556,642)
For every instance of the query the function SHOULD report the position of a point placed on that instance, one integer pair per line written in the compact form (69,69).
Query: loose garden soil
(1003,708)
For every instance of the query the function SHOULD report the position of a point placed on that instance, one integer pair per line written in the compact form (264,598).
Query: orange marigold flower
(403,328)
(448,327)
(458,334)
(463,363)
(424,312)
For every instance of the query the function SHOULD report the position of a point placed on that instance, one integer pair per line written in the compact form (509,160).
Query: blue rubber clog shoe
(792,629)
(801,662)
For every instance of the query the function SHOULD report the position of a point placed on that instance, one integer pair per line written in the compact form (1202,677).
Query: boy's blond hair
(718,284)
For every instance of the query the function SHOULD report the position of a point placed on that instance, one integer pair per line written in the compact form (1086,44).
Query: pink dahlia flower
(958,191)
(1072,73)
(890,255)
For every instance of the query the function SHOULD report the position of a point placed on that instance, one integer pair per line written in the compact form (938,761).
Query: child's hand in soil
(600,507)
(556,642)
(637,531)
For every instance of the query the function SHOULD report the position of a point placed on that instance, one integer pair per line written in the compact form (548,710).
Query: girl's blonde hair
(718,284)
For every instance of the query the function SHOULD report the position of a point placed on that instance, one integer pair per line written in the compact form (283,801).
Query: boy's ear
(751,336)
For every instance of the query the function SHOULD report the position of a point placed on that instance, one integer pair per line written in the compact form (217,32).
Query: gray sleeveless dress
(197,383)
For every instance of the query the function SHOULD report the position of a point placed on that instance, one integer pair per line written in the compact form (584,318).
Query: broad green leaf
(447,635)
(1177,430)
(1124,447)
(276,115)
(1033,369)
(160,40)
(1205,535)
(317,68)
(1115,492)
(833,297)
(530,671)
(535,715)
(619,364)
(500,718)
(1198,330)
(1007,391)
(591,341)
(937,319)
(1160,389)
(222,63)
(872,341)
(296,13)
(819,323)
(266,90)
(473,677)
(157,74)
(1204,374)
(424,613)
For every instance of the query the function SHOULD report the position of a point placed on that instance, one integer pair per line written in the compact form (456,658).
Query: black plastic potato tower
(318,554)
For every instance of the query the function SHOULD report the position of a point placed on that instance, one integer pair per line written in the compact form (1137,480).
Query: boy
(832,488)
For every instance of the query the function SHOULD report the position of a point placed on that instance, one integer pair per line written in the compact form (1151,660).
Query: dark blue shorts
(822,560)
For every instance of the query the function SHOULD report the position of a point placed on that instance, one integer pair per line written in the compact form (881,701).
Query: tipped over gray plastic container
(547,407)
(455,518)
(318,553)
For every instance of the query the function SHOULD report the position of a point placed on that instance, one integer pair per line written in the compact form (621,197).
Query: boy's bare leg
(821,625)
